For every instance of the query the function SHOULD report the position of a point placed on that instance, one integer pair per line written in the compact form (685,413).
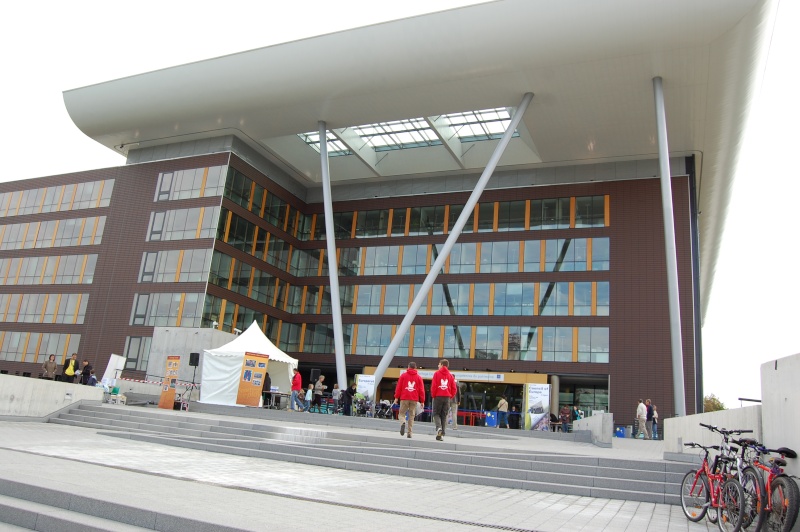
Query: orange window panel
(521,265)
(355,300)
(303,300)
(539,344)
(527,214)
(572,209)
(179,266)
(594,299)
(255,239)
(313,225)
(574,344)
(180,310)
(61,196)
(588,254)
(302,337)
(55,308)
(447,223)
(400,259)
(321,259)
(38,347)
(25,235)
(471,304)
(252,193)
(19,202)
(25,347)
(475,218)
(478,257)
(55,234)
(250,282)
(222,306)
(363,261)
(83,268)
(16,274)
(230,274)
(266,245)
(411,340)
(505,343)
(2,233)
(235,316)
(353,344)
(55,269)
(41,205)
(354,224)
(410,296)
(227,225)
(83,227)
(473,335)
(199,228)
(408,222)
(496,216)
(571,303)
(203,182)
(429,301)
(320,297)
(65,352)
(441,340)
(607,210)
(542,252)
(72,198)
(389,220)
(383,298)
(286,217)
(278,331)
(99,194)
(77,309)
(44,309)
(428,260)
(491,299)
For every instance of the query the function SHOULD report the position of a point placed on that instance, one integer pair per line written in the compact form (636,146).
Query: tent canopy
(222,366)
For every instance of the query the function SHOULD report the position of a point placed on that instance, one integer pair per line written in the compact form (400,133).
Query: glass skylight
(472,126)
(398,135)
(336,147)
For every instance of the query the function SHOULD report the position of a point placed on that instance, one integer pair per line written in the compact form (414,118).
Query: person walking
(563,417)
(49,368)
(502,413)
(648,425)
(655,422)
(409,391)
(70,369)
(297,390)
(576,414)
(443,387)
(641,418)
(349,398)
(86,371)
(319,389)
(454,402)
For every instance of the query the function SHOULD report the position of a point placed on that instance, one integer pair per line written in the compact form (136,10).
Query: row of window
(36,347)
(563,254)
(499,216)
(55,269)
(183,224)
(58,198)
(192,183)
(175,266)
(53,233)
(43,308)
(137,352)
(554,344)
(167,309)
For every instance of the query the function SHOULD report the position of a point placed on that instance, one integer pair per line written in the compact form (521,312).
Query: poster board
(537,407)
(365,384)
(251,379)
(167,399)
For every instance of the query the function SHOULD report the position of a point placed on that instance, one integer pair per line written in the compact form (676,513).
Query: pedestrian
(336,395)
(319,389)
(655,422)
(443,387)
(309,396)
(648,425)
(513,418)
(641,418)
(563,417)
(349,397)
(409,391)
(454,402)
(266,391)
(297,388)
(92,380)
(576,414)
(86,371)
(71,369)
(49,368)
(502,413)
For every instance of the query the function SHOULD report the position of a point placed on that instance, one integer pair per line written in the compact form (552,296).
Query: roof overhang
(589,64)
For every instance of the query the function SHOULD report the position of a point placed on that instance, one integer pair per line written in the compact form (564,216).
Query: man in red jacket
(297,389)
(410,390)
(443,387)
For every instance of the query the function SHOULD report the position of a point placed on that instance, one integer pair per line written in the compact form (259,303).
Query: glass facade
(36,347)
(89,195)
(53,233)
(55,269)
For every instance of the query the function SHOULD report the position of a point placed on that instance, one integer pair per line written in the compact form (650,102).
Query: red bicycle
(711,488)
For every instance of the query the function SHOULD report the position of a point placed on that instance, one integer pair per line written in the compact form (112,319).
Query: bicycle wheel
(694,495)
(785,500)
(731,506)
(754,498)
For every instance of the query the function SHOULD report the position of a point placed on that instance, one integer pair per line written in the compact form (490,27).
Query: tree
(711,403)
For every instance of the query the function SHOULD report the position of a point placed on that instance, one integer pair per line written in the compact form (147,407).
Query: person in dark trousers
(86,371)
(349,396)
(266,394)
(648,425)
(319,389)
(513,418)
(443,387)
(71,369)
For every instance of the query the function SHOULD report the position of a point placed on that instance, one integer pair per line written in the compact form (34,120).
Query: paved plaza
(258,494)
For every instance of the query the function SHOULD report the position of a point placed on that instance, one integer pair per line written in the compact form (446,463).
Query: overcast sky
(49,47)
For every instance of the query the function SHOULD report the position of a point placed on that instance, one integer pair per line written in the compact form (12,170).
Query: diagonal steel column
(333,265)
(451,240)
(672,254)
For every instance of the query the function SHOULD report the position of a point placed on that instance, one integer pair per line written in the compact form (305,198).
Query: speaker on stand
(194,361)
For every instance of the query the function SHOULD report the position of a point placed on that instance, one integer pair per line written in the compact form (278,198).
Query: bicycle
(711,488)
(779,500)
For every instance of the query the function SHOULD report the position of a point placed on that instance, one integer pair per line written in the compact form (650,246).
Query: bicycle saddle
(780,462)
(785,451)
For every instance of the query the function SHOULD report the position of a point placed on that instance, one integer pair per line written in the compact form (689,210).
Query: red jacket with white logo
(410,387)
(297,383)
(443,383)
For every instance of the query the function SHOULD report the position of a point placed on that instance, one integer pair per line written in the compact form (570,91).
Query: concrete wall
(27,397)
(182,341)
(780,403)
(600,425)
(679,430)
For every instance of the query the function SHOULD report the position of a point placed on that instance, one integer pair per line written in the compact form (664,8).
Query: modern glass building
(563,268)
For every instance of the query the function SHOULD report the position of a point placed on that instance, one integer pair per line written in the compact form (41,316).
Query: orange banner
(167,399)
(251,380)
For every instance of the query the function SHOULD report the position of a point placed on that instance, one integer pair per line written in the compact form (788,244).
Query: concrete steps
(31,507)
(452,460)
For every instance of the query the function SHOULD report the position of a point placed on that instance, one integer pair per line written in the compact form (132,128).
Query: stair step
(46,518)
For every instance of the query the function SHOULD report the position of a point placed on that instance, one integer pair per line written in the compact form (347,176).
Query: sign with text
(537,407)
(251,379)
(464,376)
(167,399)
(365,384)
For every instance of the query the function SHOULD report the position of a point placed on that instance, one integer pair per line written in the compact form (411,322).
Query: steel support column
(671,251)
(333,270)
(437,266)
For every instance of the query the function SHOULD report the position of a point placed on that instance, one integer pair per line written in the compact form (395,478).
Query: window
(426,341)
(553,299)
(557,344)
(550,213)
(457,340)
(511,216)
(600,254)
(522,343)
(462,258)
(414,259)
(489,343)
(582,299)
(499,257)
(137,352)
(593,344)
(590,211)
(372,223)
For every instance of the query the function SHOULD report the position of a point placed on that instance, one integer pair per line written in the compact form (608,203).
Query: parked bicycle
(778,501)
(711,488)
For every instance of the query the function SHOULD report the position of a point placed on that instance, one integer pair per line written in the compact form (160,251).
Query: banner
(251,380)
(466,376)
(167,399)
(537,407)
(365,384)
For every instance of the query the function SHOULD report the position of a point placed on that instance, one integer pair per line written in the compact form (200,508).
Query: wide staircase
(453,460)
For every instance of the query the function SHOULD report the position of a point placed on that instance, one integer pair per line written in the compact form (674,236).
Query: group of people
(304,401)
(647,418)
(71,370)
(410,394)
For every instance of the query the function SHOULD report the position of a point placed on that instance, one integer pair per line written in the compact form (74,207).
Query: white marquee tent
(223,365)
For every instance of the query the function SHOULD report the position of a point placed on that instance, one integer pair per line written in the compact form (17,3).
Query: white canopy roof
(253,340)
